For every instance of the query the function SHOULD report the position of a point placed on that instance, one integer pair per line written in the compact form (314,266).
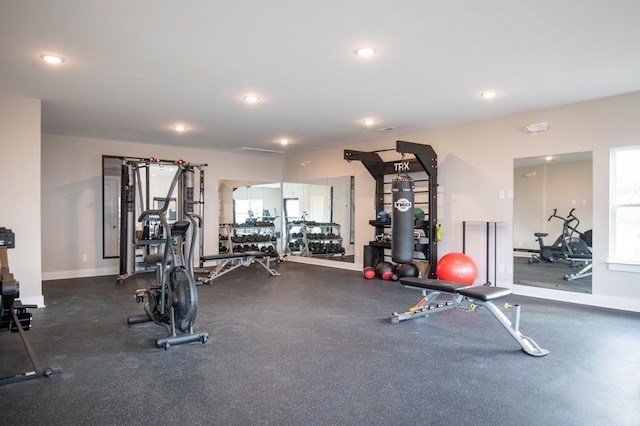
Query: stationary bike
(567,245)
(173,300)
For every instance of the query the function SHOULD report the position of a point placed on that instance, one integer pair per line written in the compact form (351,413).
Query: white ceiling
(135,68)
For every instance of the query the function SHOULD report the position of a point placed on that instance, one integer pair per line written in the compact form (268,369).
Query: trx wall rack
(423,168)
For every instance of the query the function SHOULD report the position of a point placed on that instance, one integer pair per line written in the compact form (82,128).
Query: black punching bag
(402,244)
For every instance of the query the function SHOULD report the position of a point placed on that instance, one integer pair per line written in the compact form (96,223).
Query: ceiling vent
(261,151)
(543,126)
(384,129)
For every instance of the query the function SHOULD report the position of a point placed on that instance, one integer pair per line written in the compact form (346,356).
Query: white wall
(72,196)
(20,191)
(475,164)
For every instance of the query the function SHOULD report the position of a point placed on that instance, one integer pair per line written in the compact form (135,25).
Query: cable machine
(420,170)
(138,242)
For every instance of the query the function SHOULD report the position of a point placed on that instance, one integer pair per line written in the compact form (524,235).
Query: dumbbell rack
(314,239)
(240,237)
(423,168)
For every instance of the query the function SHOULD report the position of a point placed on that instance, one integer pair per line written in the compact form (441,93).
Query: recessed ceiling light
(548,158)
(369,122)
(180,128)
(284,141)
(489,95)
(51,59)
(252,99)
(365,51)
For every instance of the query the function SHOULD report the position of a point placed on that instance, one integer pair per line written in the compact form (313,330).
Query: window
(625,205)
(246,210)
(291,209)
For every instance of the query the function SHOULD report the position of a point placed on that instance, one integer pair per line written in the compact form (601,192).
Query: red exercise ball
(457,268)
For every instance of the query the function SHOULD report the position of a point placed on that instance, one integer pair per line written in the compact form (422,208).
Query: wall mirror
(249,216)
(318,218)
(312,218)
(111,171)
(152,182)
(552,224)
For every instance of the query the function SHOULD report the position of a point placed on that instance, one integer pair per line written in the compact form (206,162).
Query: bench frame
(467,299)
(227,262)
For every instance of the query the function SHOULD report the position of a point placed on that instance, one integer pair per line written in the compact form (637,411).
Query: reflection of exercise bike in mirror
(571,246)
(173,300)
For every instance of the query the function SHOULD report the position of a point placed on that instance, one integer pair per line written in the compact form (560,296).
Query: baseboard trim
(609,302)
(33,300)
(79,273)
(324,262)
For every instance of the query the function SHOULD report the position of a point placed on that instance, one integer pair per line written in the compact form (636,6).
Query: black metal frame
(15,316)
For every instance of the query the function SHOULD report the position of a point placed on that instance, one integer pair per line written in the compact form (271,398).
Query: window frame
(617,261)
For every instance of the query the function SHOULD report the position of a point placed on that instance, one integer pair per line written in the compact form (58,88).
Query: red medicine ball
(384,270)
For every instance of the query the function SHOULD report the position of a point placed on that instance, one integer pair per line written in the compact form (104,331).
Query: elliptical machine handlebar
(566,221)
(555,214)
(573,219)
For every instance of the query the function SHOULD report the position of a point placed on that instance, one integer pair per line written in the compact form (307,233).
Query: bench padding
(434,285)
(243,255)
(154,258)
(485,293)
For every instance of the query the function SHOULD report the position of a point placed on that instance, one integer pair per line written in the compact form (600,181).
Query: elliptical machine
(569,245)
(173,300)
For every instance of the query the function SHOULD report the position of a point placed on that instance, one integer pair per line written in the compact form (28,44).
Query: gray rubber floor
(314,347)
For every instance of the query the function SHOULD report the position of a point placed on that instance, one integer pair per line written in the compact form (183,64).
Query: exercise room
(335,213)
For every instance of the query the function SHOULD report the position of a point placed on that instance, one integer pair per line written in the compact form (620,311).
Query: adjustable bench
(469,299)
(227,262)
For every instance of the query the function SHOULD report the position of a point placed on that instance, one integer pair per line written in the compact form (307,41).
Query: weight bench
(468,299)
(227,262)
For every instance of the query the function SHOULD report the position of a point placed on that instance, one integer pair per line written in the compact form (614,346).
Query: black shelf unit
(424,160)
